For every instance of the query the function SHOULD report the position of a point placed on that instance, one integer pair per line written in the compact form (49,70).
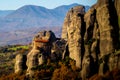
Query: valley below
(24,36)
(19,26)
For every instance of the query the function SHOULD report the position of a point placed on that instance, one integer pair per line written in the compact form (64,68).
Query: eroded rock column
(74,24)
(41,50)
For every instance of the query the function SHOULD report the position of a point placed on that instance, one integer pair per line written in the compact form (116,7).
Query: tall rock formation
(41,50)
(45,46)
(93,45)
(20,63)
(74,26)
(91,39)
(106,19)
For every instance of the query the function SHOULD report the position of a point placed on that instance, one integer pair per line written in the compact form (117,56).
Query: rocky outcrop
(105,28)
(73,25)
(58,50)
(20,63)
(45,46)
(41,50)
(114,61)
(91,39)
(108,27)
(99,35)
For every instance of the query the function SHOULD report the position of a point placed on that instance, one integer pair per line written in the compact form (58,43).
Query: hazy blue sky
(14,4)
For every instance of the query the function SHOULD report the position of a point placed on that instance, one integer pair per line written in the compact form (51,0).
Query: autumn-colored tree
(64,73)
(110,75)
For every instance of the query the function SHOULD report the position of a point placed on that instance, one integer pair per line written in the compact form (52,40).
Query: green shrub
(119,21)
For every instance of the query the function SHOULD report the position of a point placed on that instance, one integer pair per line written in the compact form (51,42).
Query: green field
(15,48)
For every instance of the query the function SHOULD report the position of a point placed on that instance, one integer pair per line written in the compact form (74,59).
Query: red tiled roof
(44,41)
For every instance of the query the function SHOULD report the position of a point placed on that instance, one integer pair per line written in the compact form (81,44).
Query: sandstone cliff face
(41,50)
(100,38)
(73,25)
(109,29)
(20,63)
(106,29)
(91,39)
(58,50)
(45,46)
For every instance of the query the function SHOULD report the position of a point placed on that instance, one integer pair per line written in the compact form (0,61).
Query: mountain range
(4,13)
(19,26)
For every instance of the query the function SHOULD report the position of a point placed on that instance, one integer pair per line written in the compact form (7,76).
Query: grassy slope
(19,47)
(7,57)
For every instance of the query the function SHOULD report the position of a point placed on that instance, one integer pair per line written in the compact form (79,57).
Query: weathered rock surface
(20,63)
(45,46)
(73,25)
(41,50)
(114,61)
(99,35)
(58,49)
(91,39)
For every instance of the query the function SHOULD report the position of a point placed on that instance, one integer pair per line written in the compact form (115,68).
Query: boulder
(20,63)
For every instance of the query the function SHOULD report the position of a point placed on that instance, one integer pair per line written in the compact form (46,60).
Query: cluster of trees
(60,70)
(110,75)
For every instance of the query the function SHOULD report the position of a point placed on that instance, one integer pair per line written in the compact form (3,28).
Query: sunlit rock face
(92,37)
(41,50)
(73,30)
(20,63)
(106,17)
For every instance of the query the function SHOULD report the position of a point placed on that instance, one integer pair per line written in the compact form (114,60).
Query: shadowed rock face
(58,50)
(41,50)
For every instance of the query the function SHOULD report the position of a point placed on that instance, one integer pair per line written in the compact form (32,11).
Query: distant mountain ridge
(4,13)
(29,17)
(35,16)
